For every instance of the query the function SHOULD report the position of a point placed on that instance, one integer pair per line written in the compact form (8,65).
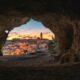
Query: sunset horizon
(31,29)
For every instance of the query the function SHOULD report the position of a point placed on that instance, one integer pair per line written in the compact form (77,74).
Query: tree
(51,46)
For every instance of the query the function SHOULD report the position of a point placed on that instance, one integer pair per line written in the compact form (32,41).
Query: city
(18,46)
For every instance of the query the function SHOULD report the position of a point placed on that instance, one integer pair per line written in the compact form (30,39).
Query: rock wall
(62,17)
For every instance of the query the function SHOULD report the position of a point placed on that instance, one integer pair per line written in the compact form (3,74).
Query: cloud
(32,28)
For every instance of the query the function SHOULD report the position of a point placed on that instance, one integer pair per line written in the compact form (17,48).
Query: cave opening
(29,38)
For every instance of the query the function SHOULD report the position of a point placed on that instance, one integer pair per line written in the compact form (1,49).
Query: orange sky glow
(31,29)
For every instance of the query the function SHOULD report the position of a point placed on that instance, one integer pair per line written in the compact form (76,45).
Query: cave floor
(47,72)
(38,68)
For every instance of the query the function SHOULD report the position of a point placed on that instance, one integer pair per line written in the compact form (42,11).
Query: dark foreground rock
(58,72)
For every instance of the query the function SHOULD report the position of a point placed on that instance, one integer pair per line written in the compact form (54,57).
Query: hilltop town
(24,46)
(19,46)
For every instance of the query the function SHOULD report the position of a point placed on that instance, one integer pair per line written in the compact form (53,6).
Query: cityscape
(32,37)
(19,46)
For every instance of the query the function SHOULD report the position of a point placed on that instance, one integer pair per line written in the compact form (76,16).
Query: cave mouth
(29,38)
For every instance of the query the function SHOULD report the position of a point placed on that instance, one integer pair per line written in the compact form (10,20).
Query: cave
(28,36)
(62,17)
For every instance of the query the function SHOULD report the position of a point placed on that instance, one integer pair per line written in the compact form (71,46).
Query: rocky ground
(38,68)
(57,72)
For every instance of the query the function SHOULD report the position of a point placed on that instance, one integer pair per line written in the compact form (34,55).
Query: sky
(31,28)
